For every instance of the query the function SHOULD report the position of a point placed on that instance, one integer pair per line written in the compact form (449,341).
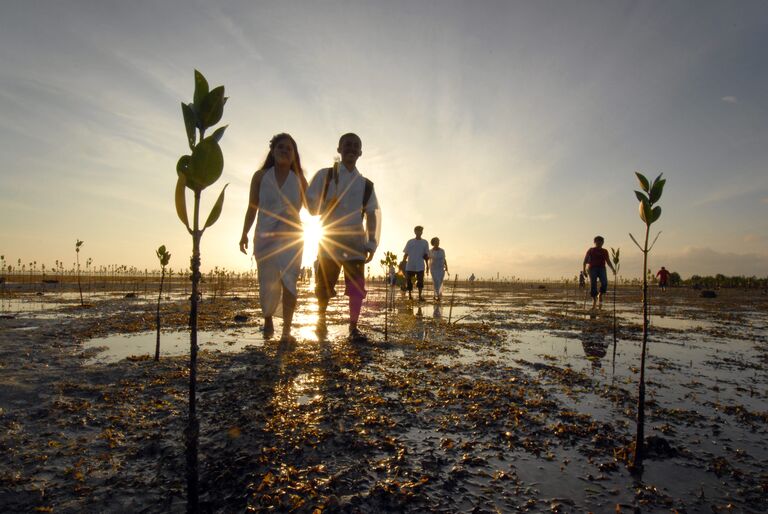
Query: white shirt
(348,238)
(416,249)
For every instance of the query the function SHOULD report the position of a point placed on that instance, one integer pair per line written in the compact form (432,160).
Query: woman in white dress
(276,196)
(438,266)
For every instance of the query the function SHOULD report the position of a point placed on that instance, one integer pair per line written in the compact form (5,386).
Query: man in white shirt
(349,214)
(417,254)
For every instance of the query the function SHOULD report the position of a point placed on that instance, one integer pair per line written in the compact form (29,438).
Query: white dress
(437,268)
(278,242)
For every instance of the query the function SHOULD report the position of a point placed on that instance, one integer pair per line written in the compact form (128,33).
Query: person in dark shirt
(595,261)
(663,276)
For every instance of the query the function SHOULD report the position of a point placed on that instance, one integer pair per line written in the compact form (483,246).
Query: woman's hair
(270,160)
(434,241)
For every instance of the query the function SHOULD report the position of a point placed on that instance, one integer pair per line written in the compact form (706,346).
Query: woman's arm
(303,185)
(253,206)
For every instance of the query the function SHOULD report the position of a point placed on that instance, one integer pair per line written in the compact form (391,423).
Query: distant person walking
(438,265)
(595,262)
(417,254)
(347,204)
(276,196)
(582,280)
(663,276)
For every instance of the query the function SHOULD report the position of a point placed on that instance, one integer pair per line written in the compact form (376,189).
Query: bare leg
(355,306)
(289,306)
(269,327)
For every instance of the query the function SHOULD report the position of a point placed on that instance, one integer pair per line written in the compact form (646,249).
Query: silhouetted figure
(582,280)
(348,207)
(276,196)
(416,252)
(595,262)
(438,266)
(663,276)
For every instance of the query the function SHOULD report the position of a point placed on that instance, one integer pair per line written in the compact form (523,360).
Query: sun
(313,233)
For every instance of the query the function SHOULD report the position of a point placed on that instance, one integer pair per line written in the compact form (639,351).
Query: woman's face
(283,152)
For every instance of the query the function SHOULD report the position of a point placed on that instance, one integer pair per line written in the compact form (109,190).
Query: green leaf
(643,181)
(181,199)
(206,164)
(640,196)
(216,211)
(201,90)
(645,211)
(190,122)
(212,107)
(184,168)
(218,133)
(182,165)
(655,214)
(657,189)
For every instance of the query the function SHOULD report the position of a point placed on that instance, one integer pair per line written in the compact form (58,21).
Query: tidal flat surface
(501,398)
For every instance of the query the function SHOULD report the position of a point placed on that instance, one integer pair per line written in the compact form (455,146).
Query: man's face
(350,148)
(418,231)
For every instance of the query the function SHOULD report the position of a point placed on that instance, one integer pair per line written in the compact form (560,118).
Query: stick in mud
(453,292)
(386,310)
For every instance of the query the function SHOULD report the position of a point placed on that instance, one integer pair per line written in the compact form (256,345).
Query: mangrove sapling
(649,213)
(164,256)
(615,256)
(196,171)
(78,244)
(453,292)
(388,262)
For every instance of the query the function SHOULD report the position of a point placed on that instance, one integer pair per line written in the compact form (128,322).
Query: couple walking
(418,258)
(348,209)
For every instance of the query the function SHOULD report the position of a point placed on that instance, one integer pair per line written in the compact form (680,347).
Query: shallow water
(523,397)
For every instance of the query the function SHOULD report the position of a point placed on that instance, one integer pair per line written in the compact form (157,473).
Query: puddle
(117,347)
(666,322)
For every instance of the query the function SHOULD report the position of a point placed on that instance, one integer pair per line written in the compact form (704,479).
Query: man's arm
(315,191)
(371,225)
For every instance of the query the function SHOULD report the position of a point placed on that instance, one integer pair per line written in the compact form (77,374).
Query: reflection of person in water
(594,341)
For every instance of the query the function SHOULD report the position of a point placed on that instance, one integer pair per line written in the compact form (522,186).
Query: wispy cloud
(730,99)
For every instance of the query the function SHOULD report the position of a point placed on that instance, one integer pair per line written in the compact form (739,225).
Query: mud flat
(523,402)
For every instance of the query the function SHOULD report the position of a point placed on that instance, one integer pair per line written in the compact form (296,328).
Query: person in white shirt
(417,254)
(438,265)
(277,195)
(349,210)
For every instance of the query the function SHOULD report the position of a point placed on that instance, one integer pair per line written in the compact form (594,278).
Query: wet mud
(523,402)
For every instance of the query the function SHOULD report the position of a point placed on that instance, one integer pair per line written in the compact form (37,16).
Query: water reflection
(593,340)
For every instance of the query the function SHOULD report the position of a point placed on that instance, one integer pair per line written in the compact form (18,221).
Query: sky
(511,130)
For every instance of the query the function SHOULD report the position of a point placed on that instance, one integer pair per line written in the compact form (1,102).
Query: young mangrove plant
(649,213)
(389,262)
(164,257)
(615,256)
(196,171)
(78,244)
